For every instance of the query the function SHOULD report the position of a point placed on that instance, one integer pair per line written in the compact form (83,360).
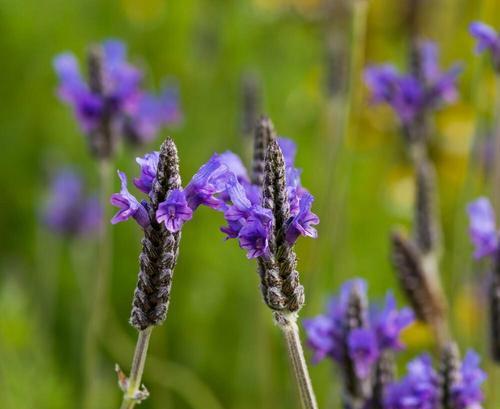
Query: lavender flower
(129,205)
(419,389)
(174,211)
(413,95)
(487,40)
(111,101)
(467,393)
(482,229)
(325,332)
(68,210)
(357,340)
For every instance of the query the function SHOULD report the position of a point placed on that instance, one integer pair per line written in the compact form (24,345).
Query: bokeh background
(219,347)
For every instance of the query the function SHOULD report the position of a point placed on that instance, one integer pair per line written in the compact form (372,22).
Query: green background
(219,347)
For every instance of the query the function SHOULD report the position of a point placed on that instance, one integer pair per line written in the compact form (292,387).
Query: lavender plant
(488,40)
(484,236)
(457,384)
(361,339)
(111,103)
(414,97)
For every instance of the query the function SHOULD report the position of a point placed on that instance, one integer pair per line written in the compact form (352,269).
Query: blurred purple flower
(389,322)
(129,205)
(411,95)
(68,211)
(329,334)
(121,99)
(467,393)
(482,228)
(174,211)
(487,39)
(419,389)
(302,223)
(363,351)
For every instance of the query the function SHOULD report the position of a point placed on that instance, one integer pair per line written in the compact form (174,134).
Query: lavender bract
(482,228)
(68,210)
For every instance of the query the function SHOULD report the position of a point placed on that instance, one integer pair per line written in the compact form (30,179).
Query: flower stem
(133,393)
(288,325)
(97,299)
(496,155)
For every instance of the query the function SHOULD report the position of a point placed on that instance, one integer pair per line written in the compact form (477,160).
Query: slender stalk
(97,301)
(496,155)
(290,330)
(133,393)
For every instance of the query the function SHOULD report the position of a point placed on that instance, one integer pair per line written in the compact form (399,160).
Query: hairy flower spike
(275,198)
(263,134)
(384,376)
(450,374)
(407,262)
(426,232)
(159,248)
(251,102)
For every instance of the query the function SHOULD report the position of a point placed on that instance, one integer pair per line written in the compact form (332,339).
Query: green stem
(134,394)
(496,150)
(288,325)
(97,295)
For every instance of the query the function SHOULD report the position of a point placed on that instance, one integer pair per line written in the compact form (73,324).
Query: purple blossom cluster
(69,211)
(482,228)
(421,387)
(122,100)
(222,184)
(414,94)
(487,40)
(329,334)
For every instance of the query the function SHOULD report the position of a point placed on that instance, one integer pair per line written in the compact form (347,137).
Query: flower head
(419,389)
(112,99)
(411,95)
(482,228)
(68,210)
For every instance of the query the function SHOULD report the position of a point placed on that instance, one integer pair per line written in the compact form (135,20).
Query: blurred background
(219,347)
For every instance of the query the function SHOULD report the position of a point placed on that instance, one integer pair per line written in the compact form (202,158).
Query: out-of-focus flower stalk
(496,154)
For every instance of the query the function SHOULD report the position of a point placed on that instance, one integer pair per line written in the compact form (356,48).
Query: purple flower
(174,211)
(487,40)
(302,223)
(321,336)
(363,351)
(467,394)
(121,101)
(482,228)
(332,335)
(419,389)
(149,165)
(129,205)
(411,95)
(389,323)
(68,211)
(207,184)
(151,113)
(254,237)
